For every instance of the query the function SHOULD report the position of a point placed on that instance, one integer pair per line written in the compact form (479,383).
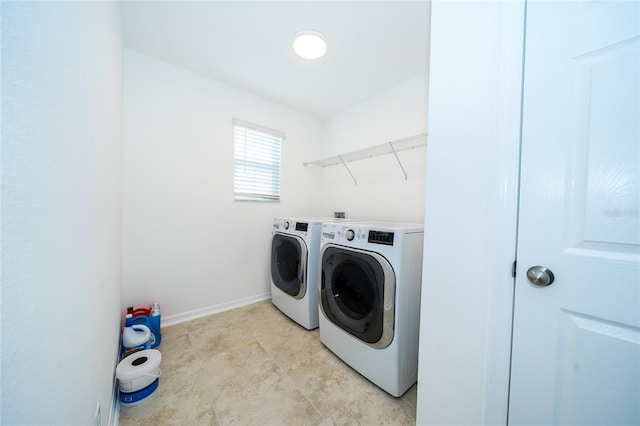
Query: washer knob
(286,225)
(349,235)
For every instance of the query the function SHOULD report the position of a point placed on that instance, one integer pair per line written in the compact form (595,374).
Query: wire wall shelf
(393,147)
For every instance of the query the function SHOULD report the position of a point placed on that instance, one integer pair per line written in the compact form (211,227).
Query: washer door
(357,293)
(289,264)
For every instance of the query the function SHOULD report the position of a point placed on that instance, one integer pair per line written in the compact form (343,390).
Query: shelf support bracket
(345,166)
(398,159)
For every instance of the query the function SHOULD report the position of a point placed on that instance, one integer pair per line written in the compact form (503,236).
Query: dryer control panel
(381,237)
(336,231)
(353,233)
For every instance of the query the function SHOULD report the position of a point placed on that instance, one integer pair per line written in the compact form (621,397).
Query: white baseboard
(114,413)
(210,310)
(115,407)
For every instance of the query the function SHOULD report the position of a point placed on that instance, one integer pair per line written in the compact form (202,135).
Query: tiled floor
(254,366)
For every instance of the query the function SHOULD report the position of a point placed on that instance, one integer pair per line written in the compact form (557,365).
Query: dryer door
(357,293)
(289,264)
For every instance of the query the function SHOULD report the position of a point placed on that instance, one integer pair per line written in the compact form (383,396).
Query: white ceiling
(373,46)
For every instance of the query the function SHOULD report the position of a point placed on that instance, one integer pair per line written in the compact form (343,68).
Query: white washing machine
(369,285)
(295,244)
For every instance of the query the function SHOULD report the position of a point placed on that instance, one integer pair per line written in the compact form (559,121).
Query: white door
(576,342)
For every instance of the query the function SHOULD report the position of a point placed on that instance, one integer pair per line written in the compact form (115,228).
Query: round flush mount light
(310,45)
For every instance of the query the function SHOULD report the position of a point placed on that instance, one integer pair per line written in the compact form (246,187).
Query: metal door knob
(540,276)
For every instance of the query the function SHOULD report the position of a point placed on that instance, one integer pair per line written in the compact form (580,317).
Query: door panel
(592,394)
(576,342)
(611,134)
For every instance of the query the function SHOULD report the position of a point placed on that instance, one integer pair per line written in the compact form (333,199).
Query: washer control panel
(340,232)
(291,226)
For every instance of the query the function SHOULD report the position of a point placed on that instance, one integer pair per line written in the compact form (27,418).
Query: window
(256,162)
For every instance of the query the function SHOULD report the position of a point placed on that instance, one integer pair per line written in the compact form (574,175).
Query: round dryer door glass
(355,287)
(286,261)
(352,292)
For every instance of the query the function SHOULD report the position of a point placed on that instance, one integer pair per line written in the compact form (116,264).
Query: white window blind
(256,167)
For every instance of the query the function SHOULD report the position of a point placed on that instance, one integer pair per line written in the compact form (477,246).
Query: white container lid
(138,364)
(135,335)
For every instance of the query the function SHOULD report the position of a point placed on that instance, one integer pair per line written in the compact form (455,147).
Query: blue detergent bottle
(154,325)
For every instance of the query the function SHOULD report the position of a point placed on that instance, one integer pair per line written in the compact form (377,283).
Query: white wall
(470,215)
(61,199)
(381,193)
(187,244)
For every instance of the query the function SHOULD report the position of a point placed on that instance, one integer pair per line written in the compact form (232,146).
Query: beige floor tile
(178,357)
(179,400)
(290,345)
(225,321)
(212,341)
(256,311)
(174,330)
(326,381)
(375,407)
(231,372)
(274,401)
(327,422)
(267,317)
(411,396)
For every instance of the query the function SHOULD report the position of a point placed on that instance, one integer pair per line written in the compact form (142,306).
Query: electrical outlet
(98,415)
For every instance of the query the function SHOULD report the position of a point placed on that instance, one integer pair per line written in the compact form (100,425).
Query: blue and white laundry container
(138,375)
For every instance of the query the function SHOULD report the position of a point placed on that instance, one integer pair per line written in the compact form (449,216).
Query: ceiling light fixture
(310,45)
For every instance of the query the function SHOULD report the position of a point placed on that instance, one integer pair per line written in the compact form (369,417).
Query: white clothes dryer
(369,286)
(295,244)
